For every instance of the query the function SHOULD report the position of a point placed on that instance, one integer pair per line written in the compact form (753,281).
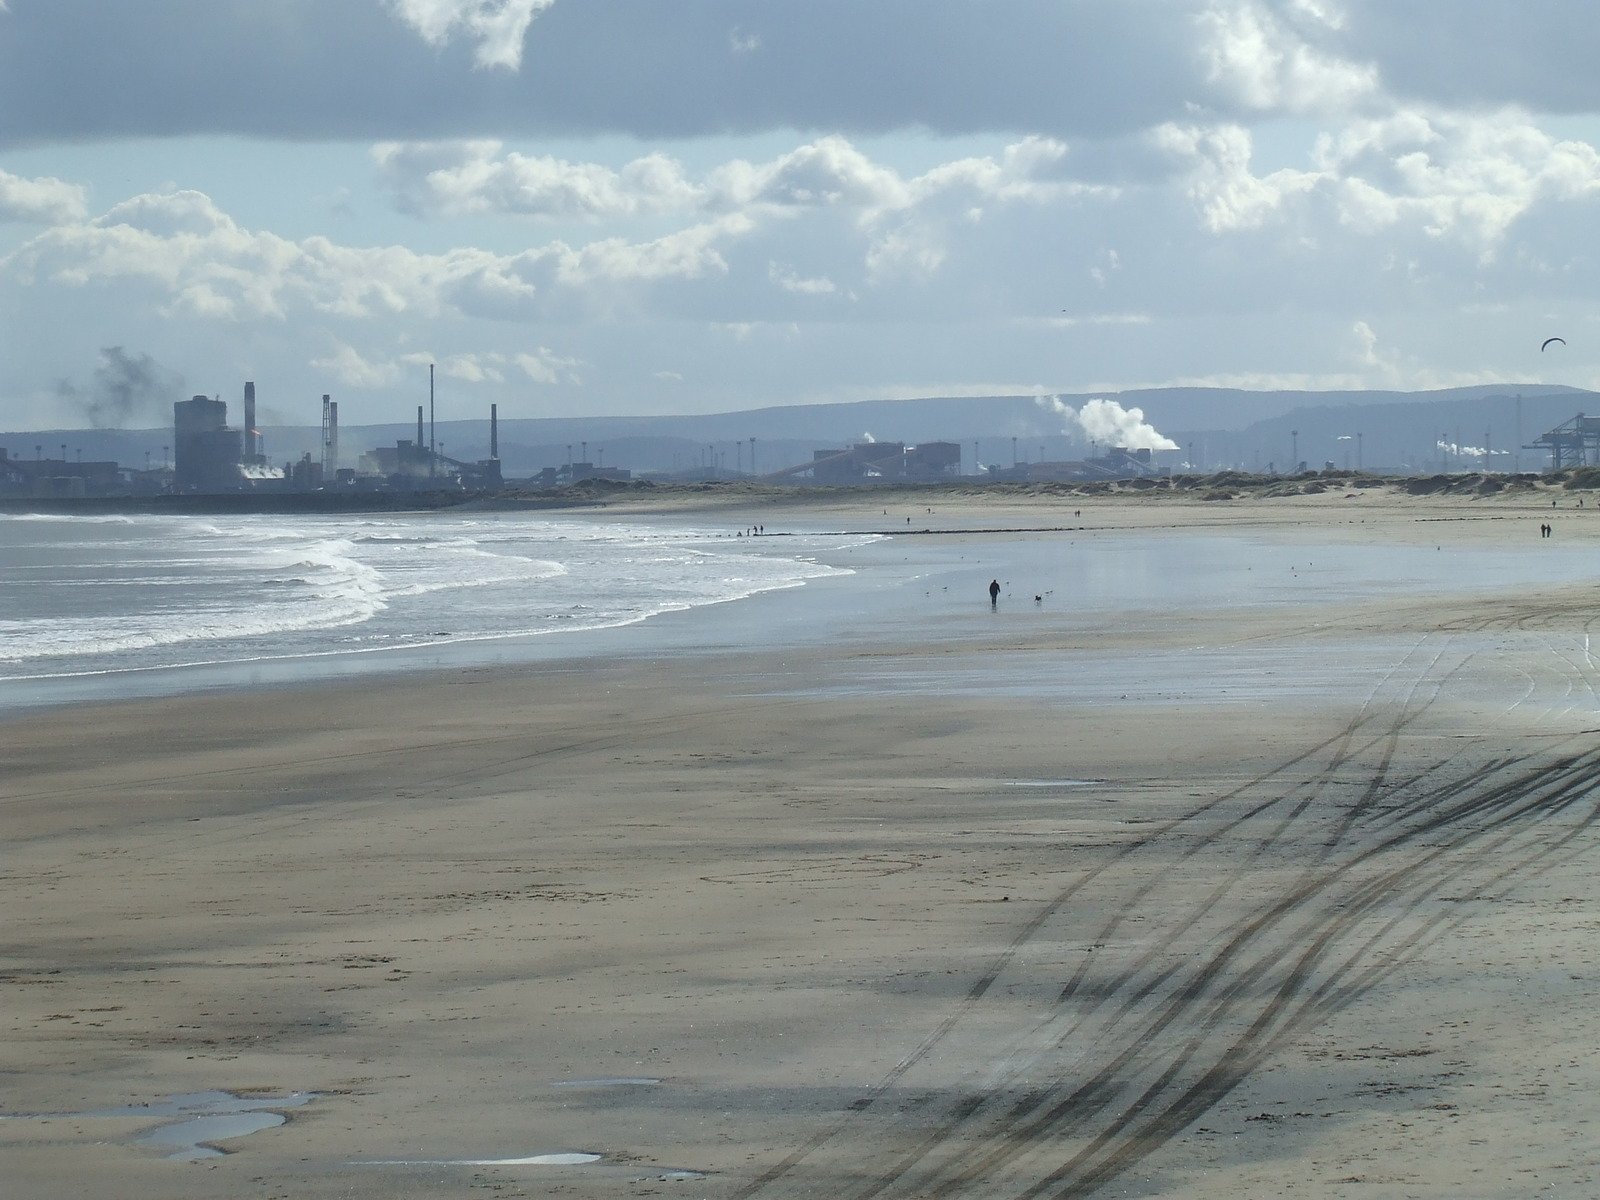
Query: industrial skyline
(1098,439)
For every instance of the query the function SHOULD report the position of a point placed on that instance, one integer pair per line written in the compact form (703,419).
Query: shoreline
(936,540)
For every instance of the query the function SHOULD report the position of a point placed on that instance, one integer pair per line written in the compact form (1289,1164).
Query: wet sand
(799,902)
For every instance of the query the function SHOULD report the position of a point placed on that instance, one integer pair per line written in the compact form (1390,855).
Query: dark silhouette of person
(994,593)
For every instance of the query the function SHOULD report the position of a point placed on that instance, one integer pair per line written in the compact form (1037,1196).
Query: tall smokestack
(494,431)
(419,428)
(251,446)
(330,437)
(433,460)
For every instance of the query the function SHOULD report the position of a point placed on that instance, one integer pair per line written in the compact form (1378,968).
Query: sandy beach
(859,888)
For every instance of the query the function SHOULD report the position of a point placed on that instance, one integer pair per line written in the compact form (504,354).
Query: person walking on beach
(994,593)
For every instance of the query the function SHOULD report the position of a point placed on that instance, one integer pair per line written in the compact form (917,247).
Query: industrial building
(879,462)
(207,452)
(52,478)
(1116,463)
(578,472)
(419,465)
(212,457)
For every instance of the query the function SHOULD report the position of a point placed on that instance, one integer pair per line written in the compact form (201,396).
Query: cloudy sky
(635,206)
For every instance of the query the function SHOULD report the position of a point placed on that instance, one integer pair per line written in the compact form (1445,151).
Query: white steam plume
(1467,451)
(1107,421)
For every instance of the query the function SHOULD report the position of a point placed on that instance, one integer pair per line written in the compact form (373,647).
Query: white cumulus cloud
(349,368)
(355,370)
(43,201)
(207,265)
(787,279)
(827,172)
(1465,176)
(1265,62)
(481,177)
(497,26)
(687,254)
(1472,175)
(907,253)
(544,365)
(1228,194)
(475,177)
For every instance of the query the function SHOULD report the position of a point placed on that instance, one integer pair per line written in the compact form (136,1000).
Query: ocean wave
(329,589)
(513,570)
(262,589)
(78,637)
(76,519)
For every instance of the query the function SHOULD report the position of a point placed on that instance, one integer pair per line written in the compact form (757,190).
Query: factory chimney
(419,428)
(433,460)
(330,439)
(252,438)
(494,431)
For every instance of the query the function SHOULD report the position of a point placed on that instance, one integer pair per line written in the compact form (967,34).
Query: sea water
(101,595)
(117,606)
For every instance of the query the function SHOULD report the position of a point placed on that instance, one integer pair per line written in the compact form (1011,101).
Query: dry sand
(747,916)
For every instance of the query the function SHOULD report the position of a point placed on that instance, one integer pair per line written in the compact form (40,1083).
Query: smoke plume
(1108,422)
(125,387)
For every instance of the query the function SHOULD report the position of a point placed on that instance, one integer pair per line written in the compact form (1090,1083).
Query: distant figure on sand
(994,593)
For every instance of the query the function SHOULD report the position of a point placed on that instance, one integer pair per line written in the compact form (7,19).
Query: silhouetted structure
(49,478)
(252,433)
(1575,443)
(1116,463)
(866,462)
(330,437)
(206,451)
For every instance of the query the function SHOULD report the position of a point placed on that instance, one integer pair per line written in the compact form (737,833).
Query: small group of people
(753,531)
(1546,530)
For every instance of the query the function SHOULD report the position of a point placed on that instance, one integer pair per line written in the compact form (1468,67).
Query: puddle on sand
(192,1139)
(207,1117)
(1054,782)
(567,1158)
(625,1081)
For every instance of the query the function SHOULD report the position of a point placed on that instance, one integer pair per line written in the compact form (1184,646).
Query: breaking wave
(93,594)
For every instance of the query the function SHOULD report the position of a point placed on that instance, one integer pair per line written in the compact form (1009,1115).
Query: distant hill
(1400,433)
(1214,426)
